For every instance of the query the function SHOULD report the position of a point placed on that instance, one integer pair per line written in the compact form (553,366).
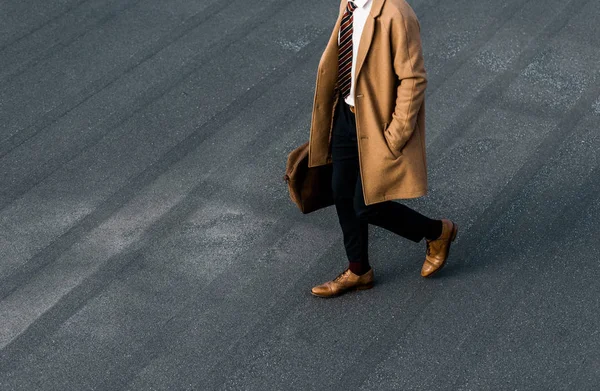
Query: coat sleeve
(407,56)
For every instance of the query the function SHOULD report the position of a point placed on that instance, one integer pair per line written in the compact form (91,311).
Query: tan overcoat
(390,86)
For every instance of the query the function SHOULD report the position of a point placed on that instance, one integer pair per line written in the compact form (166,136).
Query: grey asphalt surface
(148,242)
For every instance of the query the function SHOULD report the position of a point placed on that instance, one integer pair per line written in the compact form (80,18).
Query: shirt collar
(360,3)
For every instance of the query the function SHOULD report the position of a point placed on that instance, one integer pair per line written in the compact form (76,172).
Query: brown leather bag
(310,188)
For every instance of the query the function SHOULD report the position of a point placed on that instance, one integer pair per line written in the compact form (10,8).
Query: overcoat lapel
(365,44)
(367,35)
(333,43)
(365,39)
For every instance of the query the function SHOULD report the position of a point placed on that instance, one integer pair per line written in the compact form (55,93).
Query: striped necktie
(345,51)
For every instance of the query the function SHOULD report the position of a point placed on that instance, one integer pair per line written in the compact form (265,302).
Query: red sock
(359,268)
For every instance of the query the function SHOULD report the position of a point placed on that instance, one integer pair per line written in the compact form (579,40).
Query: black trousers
(353,214)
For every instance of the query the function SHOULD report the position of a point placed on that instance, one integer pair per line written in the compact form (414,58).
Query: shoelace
(342,274)
(429,244)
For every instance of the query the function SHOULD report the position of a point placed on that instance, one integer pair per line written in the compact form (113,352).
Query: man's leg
(397,218)
(359,274)
(344,180)
(404,221)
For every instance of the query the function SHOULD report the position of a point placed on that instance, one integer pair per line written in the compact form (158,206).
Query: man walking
(368,120)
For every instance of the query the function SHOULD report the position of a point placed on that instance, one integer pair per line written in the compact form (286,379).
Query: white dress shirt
(360,15)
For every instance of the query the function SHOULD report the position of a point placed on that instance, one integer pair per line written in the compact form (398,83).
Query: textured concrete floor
(147,241)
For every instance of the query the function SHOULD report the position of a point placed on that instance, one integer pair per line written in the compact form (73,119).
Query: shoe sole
(452,237)
(358,288)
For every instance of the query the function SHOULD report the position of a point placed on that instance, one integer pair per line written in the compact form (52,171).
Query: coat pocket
(393,152)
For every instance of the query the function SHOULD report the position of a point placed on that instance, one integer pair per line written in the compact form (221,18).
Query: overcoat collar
(366,36)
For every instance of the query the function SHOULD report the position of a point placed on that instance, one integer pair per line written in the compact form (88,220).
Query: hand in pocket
(395,154)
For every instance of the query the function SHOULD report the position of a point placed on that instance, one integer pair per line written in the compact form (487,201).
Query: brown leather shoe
(438,249)
(346,281)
